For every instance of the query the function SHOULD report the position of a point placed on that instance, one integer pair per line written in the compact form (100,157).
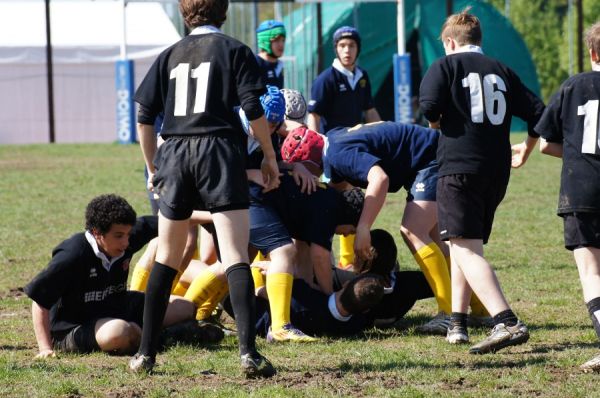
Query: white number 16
(590,141)
(495,104)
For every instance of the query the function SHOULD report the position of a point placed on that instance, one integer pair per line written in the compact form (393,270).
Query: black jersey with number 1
(476,97)
(571,118)
(199,80)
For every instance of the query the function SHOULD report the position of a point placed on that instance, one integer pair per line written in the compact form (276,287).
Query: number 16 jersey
(199,80)
(571,118)
(476,97)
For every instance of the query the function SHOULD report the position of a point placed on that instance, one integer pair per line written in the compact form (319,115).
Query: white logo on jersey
(93,273)
(443,232)
(270,74)
(311,102)
(342,87)
(420,187)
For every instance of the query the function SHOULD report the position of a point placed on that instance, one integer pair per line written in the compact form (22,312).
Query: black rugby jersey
(76,287)
(476,96)
(571,118)
(198,81)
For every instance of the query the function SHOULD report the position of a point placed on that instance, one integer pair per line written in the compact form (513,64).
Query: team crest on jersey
(420,187)
(342,87)
(363,83)
(270,74)
(93,272)
(125,265)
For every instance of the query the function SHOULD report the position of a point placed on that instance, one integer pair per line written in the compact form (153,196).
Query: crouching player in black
(569,128)
(197,82)
(80,302)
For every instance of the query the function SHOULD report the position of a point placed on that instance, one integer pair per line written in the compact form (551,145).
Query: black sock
(243,302)
(506,317)
(594,309)
(155,305)
(458,319)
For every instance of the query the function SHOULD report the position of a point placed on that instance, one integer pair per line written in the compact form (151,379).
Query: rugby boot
(500,337)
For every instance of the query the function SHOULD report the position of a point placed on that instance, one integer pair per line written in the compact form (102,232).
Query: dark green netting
(377,25)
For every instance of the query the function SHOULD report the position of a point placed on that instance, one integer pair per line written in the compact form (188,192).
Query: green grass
(43,193)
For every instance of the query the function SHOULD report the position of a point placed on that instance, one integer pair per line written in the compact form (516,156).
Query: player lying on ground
(570,130)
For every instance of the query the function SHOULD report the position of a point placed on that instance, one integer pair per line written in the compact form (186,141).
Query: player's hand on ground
(270,174)
(303,177)
(261,265)
(43,354)
(520,155)
(362,243)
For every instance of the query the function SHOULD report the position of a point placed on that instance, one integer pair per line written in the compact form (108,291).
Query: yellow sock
(207,308)
(346,251)
(433,264)
(175,281)
(196,255)
(180,288)
(259,278)
(202,288)
(139,279)
(477,307)
(279,290)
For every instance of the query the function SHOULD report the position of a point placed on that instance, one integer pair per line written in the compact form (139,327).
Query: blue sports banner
(125,106)
(402,89)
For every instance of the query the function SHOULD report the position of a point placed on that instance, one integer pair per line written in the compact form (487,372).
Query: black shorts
(201,172)
(581,230)
(467,204)
(82,338)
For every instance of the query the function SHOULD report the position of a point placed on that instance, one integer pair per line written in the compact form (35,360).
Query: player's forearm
(260,129)
(551,148)
(374,197)
(313,122)
(147,139)
(41,326)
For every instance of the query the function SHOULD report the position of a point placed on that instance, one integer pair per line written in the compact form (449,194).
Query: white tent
(86,39)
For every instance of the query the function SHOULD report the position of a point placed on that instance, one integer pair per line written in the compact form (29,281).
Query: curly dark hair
(203,12)
(362,293)
(105,210)
(350,206)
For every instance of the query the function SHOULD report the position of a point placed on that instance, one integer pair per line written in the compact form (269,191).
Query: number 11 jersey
(199,80)
(476,97)
(571,118)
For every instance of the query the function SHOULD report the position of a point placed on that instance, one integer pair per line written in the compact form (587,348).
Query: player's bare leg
(233,230)
(588,265)
(418,221)
(508,330)
(461,294)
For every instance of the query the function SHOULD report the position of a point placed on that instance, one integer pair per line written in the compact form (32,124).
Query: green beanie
(267,31)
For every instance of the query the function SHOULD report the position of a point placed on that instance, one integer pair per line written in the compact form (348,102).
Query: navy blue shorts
(267,231)
(424,185)
(581,230)
(206,172)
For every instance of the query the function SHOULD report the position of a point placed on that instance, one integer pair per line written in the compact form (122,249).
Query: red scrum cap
(303,144)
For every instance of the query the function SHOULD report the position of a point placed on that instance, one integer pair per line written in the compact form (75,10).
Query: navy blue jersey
(337,102)
(571,118)
(272,72)
(476,97)
(309,218)
(401,150)
(76,287)
(198,81)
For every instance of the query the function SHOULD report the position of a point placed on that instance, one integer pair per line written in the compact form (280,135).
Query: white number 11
(180,74)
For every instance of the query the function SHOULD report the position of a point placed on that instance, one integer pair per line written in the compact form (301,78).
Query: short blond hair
(462,27)
(592,37)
